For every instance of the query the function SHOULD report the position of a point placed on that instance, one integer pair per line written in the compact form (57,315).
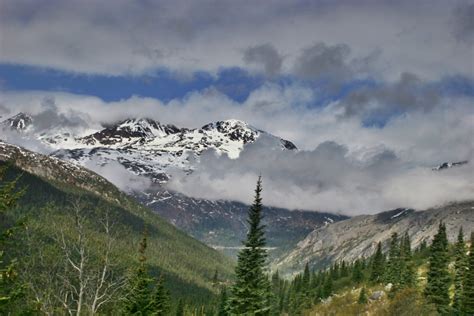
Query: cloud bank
(343,165)
(139,37)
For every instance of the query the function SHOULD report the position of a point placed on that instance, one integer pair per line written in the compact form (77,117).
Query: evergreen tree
(180,308)
(392,274)
(468,285)
(423,246)
(377,270)
(160,302)
(407,268)
(327,287)
(251,291)
(344,271)
(223,303)
(215,278)
(460,265)
(438,280)
(138,297)
(362,296)
(357,274)
(306,277)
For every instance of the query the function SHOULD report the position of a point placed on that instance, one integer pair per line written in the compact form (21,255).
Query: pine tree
(357,274)
(327,287)
(377,269)
(180,308)
(468,285)
(215,278)
(160,302)
(251,292)
(344,271)
(306,276)
(438,280)
(138,297)
(362,296)
(223,303)
(407,268)
(460,266)
(392,274)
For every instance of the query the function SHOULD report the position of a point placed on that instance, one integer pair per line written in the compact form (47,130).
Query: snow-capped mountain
(19,122)
(152,149)
(149,148)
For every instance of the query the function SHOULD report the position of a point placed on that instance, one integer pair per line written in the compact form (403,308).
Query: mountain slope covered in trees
(62,202)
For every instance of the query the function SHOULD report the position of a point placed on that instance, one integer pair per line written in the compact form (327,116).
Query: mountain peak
(18,122)
(447,165)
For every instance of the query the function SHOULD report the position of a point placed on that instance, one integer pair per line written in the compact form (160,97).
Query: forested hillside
(55,227)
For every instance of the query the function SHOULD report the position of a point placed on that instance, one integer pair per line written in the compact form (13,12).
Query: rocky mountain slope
(223,224)
(358,236)
(151,149)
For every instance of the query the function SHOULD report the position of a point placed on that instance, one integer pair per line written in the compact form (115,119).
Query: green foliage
(160,302)
(357,273)
(392,274)
(137,299)
(11,290)
(180,308)
(468,284)
(184,262)
(362,296)
(460,266)
(223,309)
(377,269)
(251,291)
(409,302)
(438,279)
(407,269)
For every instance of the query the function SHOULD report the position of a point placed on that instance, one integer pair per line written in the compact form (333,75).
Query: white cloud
(137,37)
(365,169)
(119,176)
(325,179)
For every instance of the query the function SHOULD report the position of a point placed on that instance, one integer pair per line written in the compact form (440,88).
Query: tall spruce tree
(357,273)
(468,285)
(160,302)
(223,310)
(460,266)
(251,292)
(138,296)
(438,280)
(407,268)
(377,268)
(180,308)
(392,273)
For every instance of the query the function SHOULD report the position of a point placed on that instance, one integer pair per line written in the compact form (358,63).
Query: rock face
(358,236)
(19,122)
(223,224)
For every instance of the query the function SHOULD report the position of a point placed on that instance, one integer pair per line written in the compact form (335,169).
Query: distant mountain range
(151,149)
